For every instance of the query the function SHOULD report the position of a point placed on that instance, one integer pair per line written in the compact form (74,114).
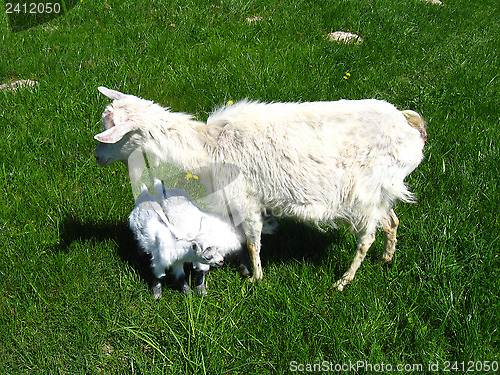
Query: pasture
(74,296)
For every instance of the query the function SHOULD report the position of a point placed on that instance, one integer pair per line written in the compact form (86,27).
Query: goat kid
(169,247)
(210,229)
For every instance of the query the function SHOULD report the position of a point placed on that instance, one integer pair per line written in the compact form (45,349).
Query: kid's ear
(158,186)
(117,132)
(112,94)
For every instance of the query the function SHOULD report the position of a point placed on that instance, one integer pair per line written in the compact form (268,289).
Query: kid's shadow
(74,230)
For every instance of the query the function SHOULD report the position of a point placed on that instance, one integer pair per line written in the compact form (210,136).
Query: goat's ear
(158,186)
(112,94)
(117,132)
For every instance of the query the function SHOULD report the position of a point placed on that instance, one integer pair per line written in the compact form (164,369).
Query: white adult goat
(170,247)
(316,161)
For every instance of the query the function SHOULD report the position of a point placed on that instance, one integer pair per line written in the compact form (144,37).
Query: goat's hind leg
(180,279)
(200,271)
(365,240)
(390,225)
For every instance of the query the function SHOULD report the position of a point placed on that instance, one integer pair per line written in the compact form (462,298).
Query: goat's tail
(416,121)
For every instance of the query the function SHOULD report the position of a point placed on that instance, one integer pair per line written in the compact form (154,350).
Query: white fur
(210,229)
(317,161)
(169,247)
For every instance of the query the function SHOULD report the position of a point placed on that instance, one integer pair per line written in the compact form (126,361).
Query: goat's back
(318,160)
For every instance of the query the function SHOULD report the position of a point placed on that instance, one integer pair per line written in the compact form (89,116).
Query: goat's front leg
(254,252)
(252,226)
(156,285)
(365,241)
(390,224)
(156,288)
(200,271)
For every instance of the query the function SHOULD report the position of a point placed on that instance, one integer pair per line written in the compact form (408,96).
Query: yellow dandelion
(189,176)
(230,102)
(347,75)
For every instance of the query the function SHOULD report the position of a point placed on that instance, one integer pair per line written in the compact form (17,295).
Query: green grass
(74,298)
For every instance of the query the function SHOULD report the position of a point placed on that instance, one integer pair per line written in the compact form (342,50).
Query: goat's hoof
(156,290)
(244,272)
(254,278)
(384,262)
(340,284)
(201,290)
(186,290)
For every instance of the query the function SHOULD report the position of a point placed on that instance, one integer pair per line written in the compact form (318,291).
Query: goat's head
(207,255)
(120,119)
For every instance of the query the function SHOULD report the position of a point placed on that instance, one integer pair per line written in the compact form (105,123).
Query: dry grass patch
(344,37)
(437,2)
(18,85)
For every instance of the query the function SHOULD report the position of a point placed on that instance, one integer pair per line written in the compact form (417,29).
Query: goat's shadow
(294,241)
(73,229)
(298,241)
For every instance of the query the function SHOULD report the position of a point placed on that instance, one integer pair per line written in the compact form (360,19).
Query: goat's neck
(180,143)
